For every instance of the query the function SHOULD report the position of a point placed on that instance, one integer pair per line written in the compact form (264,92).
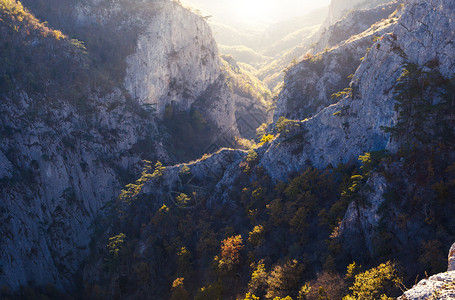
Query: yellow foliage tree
(376,283)
(230,253)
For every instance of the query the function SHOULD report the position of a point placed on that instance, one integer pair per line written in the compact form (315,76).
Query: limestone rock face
(57,173)
(176,62)
(309,86)
(440,286)
(176,59)
(452,258)
(345,130)
(360,221)
(59,166)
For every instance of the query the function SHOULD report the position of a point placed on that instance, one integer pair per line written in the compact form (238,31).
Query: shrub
(380,282)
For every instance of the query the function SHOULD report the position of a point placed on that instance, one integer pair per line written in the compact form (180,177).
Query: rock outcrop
(439,286)
(309,86)
(351,127)
(451,258)
(338,8)
(354,23)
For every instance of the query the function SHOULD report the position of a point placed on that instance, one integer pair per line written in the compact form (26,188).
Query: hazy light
(250,11)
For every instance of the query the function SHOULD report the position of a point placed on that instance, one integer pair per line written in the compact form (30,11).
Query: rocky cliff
(343,131)
(314,83)
(77,149)
(175,60)
(78,119)
(64,154)
(339,8)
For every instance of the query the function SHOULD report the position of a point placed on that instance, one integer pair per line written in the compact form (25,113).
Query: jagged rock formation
(69,160)
(309,86)
(351,127)
(354,23)
(338,8)
(439,286)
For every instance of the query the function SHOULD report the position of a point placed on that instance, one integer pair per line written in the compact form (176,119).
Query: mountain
(315,83)
(273,48)
(342,198)
(78,116)
(338,8)
(366,180)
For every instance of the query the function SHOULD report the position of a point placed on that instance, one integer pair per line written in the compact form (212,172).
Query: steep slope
(77,118)
(338,8)
(163,64)
(356,129)
(252,98)
(309,86)
(320,39)
(65,151)
(353,23)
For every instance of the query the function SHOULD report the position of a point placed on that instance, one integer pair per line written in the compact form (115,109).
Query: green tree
(115,244)
(178,290)
(182,200)
(258,281)
(380,282)
(284,279)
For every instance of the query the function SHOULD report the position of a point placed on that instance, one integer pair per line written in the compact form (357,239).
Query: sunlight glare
(253,10)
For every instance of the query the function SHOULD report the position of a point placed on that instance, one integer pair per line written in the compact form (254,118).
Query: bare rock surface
(452,258)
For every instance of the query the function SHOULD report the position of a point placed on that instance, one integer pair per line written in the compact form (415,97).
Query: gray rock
(351,127)
(308,87)
(440,286)
(451,259)
(5,167)
(59,167)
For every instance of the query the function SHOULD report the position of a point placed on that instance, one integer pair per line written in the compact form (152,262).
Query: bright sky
(246,11)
